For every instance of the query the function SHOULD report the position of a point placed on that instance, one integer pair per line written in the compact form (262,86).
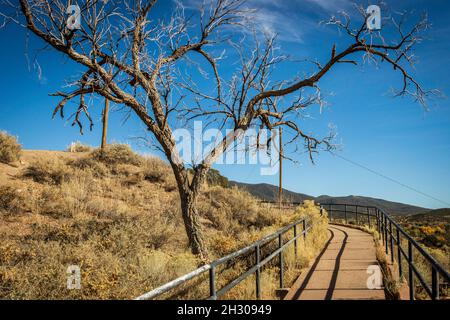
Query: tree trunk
(189,192)
(191,223)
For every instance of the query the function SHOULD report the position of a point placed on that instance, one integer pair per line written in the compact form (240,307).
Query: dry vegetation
(77,146)
(117,216)
(9,148)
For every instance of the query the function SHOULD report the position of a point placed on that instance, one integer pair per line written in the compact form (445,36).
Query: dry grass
(48,171)
(9,148)
(115,154)
(11,200)
(119,220)
(77,146)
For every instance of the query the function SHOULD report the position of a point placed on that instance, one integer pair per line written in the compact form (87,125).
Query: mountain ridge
(269,192)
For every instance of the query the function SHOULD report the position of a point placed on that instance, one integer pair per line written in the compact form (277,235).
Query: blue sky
(394,137)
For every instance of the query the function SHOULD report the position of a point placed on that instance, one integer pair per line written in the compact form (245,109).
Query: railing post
(368,216)
(258,273)
(434,284)
(410,271)
(212,283)
(304,230)
(280,244)
(377,216)
(399,253)
(382,226)
(356,214)
(386,235)
(392,241)
(295,242)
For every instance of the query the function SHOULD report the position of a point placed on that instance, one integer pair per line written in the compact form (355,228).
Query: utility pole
(280,159)
(105,123)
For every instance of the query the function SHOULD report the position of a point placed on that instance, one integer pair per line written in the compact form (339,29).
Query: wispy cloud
(291,20)
(329,5)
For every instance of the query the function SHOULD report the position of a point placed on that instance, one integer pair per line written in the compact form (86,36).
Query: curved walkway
(340,270)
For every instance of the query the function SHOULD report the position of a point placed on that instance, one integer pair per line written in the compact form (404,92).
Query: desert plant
(114,154)
(214,178)
(50,171)
(77,146)
(11,200)
(9,148)
(97,168)
(155,170)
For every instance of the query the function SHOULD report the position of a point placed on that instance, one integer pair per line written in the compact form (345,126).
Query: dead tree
(136,60)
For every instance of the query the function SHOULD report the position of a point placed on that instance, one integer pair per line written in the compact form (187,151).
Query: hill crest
(269,192)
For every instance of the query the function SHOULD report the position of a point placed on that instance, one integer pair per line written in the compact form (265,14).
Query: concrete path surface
(340,270)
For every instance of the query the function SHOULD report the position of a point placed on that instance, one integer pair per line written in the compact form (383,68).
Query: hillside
(431,229)
(269,192)
(440,214)
(117,216)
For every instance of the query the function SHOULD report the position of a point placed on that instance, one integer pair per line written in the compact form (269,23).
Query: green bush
(9,148)
(214,178)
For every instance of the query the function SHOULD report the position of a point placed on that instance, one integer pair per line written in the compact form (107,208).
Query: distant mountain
(432,215)
(269,192)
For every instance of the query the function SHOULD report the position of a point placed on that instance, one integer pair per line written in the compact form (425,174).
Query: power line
(390,179)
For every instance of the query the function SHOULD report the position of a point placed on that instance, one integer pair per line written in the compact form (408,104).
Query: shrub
(9,148)
(229,205)
(98,169)
(51,171)
(116,154)
(157,171)
(214,178)
(11,200)
(79,147)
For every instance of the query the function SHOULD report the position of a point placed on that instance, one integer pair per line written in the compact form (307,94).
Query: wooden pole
(105,123)
(280,184)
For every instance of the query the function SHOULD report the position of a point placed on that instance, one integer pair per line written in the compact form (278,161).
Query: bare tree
(136,61)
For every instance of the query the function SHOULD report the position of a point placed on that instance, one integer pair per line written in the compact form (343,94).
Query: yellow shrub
(9,148)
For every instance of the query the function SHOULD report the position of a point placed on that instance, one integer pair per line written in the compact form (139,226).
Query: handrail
(256,268)
(174,283)
(386,228)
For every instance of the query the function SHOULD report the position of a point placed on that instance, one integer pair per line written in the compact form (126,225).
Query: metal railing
(392,235)
(253,249)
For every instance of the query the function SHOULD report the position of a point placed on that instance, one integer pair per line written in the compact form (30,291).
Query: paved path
(340,271)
